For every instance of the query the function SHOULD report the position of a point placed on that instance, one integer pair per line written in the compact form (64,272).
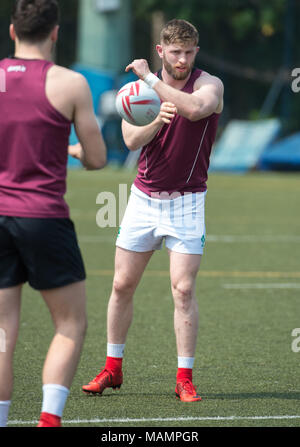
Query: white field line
(231,239)
(178,419)
(263,286)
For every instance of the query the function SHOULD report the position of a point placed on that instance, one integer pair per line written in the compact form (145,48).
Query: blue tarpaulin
(283,155)
(242,144)
(98,81)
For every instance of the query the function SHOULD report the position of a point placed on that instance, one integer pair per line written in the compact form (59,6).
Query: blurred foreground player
(38,242)
(167,200)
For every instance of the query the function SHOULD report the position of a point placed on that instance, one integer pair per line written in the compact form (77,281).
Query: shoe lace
(188,387)
(104,372)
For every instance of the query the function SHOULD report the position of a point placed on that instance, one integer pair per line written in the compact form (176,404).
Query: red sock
(49,420)
(114,364)
(184,374)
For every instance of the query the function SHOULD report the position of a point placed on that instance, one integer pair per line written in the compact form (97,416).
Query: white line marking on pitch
(262,286)
(178,419)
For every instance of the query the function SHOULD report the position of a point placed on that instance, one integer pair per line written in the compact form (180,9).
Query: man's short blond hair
(180,32)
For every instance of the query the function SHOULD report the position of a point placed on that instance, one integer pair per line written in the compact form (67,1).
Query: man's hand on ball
(167,112)
(140,67)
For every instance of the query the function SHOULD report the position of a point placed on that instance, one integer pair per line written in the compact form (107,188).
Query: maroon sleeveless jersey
(34,140)
(177,159)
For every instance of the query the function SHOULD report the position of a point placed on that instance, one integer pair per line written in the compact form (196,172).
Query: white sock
(186,362)
(4,409)
(54,399)
(115,350)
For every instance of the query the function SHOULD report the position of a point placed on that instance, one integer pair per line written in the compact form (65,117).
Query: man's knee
(74,326)
(83,326)
(183,292)
(124,287)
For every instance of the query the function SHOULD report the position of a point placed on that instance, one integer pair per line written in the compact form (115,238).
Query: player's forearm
(92,160)
(187,105)
(136,137)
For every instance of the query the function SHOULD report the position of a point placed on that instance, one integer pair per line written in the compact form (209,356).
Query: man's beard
(177,75)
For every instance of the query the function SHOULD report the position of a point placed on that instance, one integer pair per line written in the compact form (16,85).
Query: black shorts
(44,252)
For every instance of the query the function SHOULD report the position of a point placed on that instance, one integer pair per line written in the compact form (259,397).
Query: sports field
(249,299)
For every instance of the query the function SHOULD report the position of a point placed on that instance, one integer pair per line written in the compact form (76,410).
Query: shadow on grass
(209,396)
(261,395)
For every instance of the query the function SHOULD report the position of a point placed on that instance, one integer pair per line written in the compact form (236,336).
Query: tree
(241,41)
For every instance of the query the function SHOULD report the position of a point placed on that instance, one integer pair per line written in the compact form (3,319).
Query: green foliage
(243,22)
(239,36)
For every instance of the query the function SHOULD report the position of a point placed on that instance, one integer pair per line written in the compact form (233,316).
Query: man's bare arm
(92,149)
(207,96)
(137,136)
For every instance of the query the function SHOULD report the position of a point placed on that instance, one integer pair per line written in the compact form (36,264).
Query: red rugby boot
(106,379)
(186,392)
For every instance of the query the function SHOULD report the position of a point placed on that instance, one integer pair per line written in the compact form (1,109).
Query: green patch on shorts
(203,241)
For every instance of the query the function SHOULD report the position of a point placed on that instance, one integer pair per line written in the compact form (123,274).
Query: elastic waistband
(164,195)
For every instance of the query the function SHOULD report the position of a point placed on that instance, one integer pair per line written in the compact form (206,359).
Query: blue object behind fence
(283,155)
(99,82)
(242,144)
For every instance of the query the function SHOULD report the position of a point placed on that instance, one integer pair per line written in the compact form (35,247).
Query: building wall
(104,40)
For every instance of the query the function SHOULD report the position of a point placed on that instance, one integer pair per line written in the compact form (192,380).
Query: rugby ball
(137,103)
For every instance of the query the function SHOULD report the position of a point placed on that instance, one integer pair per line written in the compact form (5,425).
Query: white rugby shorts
(179,221)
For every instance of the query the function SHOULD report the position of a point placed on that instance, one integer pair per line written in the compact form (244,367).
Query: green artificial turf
(245,369)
